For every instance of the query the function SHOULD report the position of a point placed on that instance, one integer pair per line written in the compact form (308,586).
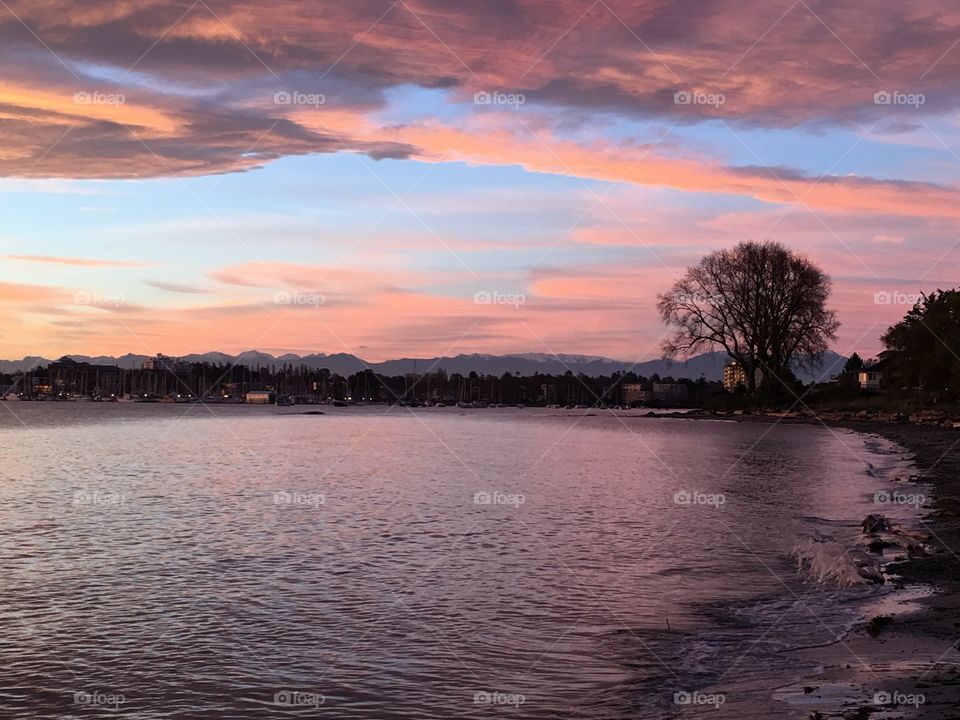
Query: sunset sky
(323,176)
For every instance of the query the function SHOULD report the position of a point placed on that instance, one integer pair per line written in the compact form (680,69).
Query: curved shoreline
(915,654)
(933,620)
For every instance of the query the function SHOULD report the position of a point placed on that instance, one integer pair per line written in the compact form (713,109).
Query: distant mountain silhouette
(708,365)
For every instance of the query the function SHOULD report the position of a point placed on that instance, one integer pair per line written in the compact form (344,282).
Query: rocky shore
(877,418)
(909,662)
(904,660)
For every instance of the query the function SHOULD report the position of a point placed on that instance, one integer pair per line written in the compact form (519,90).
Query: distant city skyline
(420,178)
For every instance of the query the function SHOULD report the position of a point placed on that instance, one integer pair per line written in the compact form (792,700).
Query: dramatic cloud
(151,88)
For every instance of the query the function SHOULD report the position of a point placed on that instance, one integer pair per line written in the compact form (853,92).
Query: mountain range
(708,365)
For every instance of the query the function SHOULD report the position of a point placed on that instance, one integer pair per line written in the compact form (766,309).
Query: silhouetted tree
(763,304)
(854,364)
(926,344)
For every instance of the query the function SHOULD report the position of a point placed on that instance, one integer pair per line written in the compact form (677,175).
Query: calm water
(183,562)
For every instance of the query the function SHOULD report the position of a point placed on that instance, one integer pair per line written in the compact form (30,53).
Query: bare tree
(763,304)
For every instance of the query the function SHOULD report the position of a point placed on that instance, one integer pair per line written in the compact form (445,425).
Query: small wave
(830,563)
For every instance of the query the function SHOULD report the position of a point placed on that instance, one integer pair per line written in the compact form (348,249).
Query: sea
(194,561)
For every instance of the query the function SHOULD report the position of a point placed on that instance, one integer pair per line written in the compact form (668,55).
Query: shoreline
(912,652)
(931,621)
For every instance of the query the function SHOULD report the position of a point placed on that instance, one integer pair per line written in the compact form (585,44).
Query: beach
(904,663)
(919,646)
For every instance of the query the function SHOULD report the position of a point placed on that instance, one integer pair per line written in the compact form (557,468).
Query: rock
(871,573)
(874,524)
(878,624)
(867,567)
(879,545)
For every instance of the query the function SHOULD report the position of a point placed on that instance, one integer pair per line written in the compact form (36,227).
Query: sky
(427,177)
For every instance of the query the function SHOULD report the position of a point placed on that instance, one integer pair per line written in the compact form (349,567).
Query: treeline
(918,368)
(923,349)
(67,379)
(538,389)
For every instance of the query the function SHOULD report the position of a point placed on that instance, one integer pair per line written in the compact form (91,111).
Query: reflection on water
(244,563)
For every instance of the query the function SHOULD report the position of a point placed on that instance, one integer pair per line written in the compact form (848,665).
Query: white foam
(830,563)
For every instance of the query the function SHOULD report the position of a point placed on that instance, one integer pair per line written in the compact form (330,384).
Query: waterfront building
(166,363)
(640,393)
(871,375)
(669,393)
(260,397)
(734,375)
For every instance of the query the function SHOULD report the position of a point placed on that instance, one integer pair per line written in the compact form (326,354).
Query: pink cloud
(219,70)
(75,261)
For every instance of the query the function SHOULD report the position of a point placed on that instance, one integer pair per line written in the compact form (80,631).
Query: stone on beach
(874,524)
